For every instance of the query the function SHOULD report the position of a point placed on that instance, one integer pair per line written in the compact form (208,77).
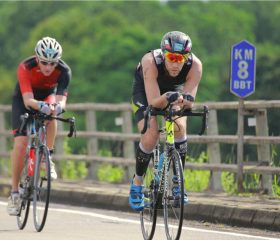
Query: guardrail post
(128,145)
(214,153)
(263,149)
(92,145)
(59,149)
(3,139)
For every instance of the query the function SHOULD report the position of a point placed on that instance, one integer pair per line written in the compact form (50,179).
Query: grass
(197,180)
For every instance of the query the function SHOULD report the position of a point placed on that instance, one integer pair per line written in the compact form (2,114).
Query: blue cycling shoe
(136,197)
(176,194)
(176,191)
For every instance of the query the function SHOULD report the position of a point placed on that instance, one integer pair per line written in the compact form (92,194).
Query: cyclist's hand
(188,100)
(174,97)
(57,108)
(44,108)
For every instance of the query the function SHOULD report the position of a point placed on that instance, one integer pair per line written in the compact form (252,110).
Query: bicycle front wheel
(174,198)
(148,216)
(42,187)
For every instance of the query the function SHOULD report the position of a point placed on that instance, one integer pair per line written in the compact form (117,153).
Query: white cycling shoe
(14,202)
(53,172)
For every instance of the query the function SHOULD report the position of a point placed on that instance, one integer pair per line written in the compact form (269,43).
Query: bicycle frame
(159,189)
(169,143)
(36,179)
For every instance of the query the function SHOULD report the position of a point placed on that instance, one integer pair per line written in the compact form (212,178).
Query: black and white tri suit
(165,81)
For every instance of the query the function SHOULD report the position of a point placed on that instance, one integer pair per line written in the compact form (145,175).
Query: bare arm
(29,101)
(193,79)
(61,99)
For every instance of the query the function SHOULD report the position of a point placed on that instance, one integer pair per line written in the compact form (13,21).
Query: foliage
(228,182)
(5,167)
(71,169)
(276,178)
(6,83)
(110,173)
(251,182)
(104,50)
(104,41)
(197,180)
(276,186)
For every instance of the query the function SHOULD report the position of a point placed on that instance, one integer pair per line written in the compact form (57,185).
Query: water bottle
(31,162)
(160,164)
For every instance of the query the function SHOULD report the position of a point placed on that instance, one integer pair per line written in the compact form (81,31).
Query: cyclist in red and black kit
(170,74)
(42,85)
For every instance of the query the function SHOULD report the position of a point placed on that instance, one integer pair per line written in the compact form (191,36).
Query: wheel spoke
(42,185)
(149,214)
(174,199)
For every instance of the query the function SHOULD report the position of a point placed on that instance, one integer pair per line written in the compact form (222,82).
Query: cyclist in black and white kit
(170,74)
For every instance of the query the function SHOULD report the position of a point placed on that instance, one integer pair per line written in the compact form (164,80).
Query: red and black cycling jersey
(30,79)
(165,81)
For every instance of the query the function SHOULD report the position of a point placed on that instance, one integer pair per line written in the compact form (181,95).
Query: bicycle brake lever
(72,127)
(147,116)
(204,120)
(23,119)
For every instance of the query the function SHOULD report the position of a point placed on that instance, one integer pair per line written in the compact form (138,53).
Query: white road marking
(117,219)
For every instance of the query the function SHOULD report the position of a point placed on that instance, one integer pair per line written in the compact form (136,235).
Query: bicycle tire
(25,185)
(22,217)
(148,216)
(173,205)
(42,187)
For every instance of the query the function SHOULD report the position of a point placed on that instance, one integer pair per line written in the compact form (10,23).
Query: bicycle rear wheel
(23,213)
(42,187)
(174,198)
(148,216)
(25,204)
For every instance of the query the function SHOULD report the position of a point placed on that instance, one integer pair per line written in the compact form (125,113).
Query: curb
(200,209)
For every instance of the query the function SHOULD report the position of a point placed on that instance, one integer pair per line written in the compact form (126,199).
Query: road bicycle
(160,182)
(35,179)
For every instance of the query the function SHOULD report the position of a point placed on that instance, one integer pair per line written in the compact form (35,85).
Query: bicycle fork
(170,148)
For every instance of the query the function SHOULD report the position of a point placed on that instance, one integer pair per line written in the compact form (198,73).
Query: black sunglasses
(48,63)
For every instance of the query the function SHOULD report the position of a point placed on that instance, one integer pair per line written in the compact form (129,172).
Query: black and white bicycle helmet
(177,42)
(48,49)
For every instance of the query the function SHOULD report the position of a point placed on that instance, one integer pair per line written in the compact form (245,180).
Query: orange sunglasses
(176,57)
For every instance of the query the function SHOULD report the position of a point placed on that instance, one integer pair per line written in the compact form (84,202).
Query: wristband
(40,104)
(172,96)
(188,97)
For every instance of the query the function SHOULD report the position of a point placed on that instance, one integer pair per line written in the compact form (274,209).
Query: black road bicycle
(159,183)
(35,179)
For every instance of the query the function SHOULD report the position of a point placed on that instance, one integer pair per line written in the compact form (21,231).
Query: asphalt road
(80,223)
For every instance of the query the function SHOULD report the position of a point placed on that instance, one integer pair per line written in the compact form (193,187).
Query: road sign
(243,69)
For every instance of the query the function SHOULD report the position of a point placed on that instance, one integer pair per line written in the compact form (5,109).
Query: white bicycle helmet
(48,49)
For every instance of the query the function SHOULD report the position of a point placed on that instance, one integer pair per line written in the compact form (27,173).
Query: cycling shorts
(139,104)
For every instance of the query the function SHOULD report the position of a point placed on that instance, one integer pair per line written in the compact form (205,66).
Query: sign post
(242,84)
